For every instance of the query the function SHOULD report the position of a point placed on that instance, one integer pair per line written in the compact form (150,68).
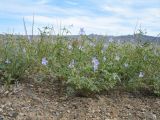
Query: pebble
(154,117)
(57,113)
(151,116)
(68,111)
(1,118)
(13,114)
(129,107)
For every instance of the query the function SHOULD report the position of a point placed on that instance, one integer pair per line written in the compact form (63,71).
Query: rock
(2,106)
(57,113)
(68,111)
(13,114)
(129,107)
(6,92)
(154,117)
(1,118)
(150,116)
(76,116)
(75,106)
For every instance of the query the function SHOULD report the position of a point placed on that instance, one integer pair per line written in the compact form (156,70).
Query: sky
(106,17)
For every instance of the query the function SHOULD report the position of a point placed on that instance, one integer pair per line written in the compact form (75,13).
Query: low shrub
(85,65)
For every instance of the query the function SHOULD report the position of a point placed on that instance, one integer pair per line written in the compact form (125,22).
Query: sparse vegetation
(84,65)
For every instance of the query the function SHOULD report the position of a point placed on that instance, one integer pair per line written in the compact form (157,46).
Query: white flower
(111,40)
(81,47)
(7,61)
(24,50)
(70,47)
(145,57)
(44,61)
(104,58)
(95,63)
(92,44)
(29,38)
(125,64)
(117,58)
(71,65)
(105,46)
(118,41)
(155,52)
(103,49)
(141,74)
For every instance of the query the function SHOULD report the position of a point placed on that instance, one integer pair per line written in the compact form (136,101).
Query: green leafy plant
(84,65)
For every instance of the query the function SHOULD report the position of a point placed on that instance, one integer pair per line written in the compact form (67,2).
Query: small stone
(93,111)
(64,105)
(75,116)
(1,118)
(154,117)
(7,92)
(13,114)
(22,114)
(68,111)
(143,110)
(2,106)
(151,116)
(57,113)
(129,107)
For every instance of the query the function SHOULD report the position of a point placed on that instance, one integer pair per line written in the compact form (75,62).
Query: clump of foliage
(85,65)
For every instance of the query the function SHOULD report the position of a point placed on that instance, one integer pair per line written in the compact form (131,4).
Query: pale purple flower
(7,61)
(71,65)
(95,63)
(44,61)
(141,74)
(81,31)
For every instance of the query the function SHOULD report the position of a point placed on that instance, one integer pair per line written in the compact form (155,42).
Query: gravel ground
(35,101)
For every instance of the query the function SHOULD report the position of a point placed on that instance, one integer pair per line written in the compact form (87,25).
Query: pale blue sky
(107,17)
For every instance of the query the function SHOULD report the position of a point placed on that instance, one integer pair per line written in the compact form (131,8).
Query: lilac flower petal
(44,61)
(81,31)
(95,63)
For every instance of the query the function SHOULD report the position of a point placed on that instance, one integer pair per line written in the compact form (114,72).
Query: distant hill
(121,38)
(128,38)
